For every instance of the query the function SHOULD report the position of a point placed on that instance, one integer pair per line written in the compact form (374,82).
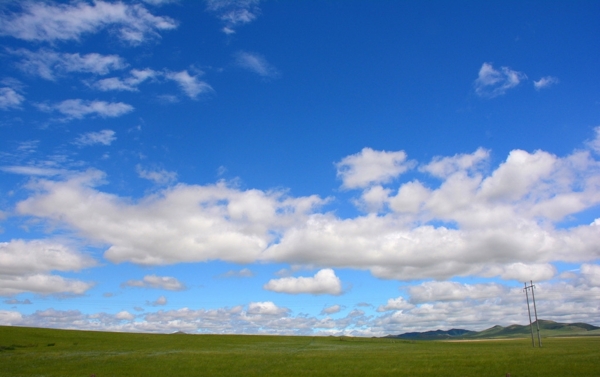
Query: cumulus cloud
(266,308)
(157,282)
(395,304)
(47,63)
(256,63)
(104,137)
(453,291)
(324,282)
(25,266)
(184,223)
(431,305)
(124,315)
(79,109)
(10,99)
(476,222)
(471,219)
(234,13)
(41,21)
(370,166)
(545,82)
(492,83)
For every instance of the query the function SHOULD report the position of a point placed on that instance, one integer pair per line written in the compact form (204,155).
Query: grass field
(46,352)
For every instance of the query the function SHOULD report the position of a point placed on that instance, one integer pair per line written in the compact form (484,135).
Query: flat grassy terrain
(46,352)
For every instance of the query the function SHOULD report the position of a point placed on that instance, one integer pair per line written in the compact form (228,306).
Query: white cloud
(591,274)
(324,282)
(443,167)
(452,291)
(333,309)
(184,223)
(498,223)
(14,301)
(158,176)
(40,21)
(594,144)
(162,300)
(395,304)
(159,2)
(78,108)
(370,166)
(130,83)
(256,63)
(47,63)
(191,85)
(492,83)
(125,315)
(21,257)
(432,305)
(234,13)
(33,170)
(104,137)
(471,220)
(157,282)
(545,82)
(10,99)
(243,273)
(522,272)
(266,308)
(25,267)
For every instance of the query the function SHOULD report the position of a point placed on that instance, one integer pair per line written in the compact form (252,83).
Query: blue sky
(334,167)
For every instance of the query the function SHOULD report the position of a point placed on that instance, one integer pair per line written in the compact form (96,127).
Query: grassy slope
(78,353)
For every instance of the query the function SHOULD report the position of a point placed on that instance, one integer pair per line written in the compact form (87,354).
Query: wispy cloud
(492,83)
(32,170)
(130,83)
(47,63)
(545,82)
(158,176)
(104,137)
(10,99)
(78,108)
(234,13)
(41,21)
(243,273)
(191,85)
(255,63)
(157,282)
(324,282)
(14,301)
(331,309)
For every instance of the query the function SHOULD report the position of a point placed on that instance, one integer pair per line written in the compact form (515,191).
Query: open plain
(48,352)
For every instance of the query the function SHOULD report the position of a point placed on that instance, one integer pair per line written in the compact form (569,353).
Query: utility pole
(537,323)
(529,312)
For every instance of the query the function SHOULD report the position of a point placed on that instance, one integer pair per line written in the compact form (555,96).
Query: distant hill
(547,329)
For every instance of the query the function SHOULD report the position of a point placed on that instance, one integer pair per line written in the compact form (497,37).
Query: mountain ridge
(547,329)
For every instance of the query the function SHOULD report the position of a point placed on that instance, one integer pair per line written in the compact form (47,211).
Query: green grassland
(47,352)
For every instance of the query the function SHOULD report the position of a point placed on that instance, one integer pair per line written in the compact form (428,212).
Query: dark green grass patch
(82,353)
